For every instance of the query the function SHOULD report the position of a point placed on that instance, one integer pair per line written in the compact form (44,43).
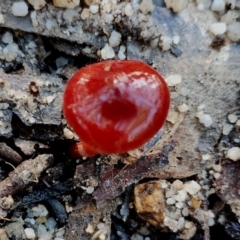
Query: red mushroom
(115,106)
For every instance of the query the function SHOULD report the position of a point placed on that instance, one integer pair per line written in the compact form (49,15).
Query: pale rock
(66,4)
(85,14)
(180,196)
(171,223)
(230,17)
(68,134)
(183,108)
(175,39)
(107,52)
(20,9)
(233,31)
(34,18)
(2,21)
(37,4)
(232,3)
(218,5)
(7,38)
(192,187)
(146,6)
(177,184)
(205,119)
(218,28)
(115,39)
(94,9)
(154,42)
(179,205)
(173,80)
(172,116)
(227,128)
(170,201)
(176,5)
(233,153)
(128,10)
(232,118)
(30,234)
(206,157)
(217,167)
(165,43)
(200,7)
(121,55)
(90,190)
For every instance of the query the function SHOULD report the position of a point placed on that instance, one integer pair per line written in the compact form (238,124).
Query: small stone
(7,38)
(172,116)
(217,175)
(233,31)
(66,4)
(176,5)
(20,9)
(107,52)
(90,190)
(217,167)
(195,203)
(218,28)
(205,119)
(2,21)
(179,204)
(170,201)
(85,14)
(89,228)
(128,10)
(233,153)
(176,39)
(165,43)
(192,187)
(149,202)
(115,39)
(180,196)
(230,17)
(68,134)
(218,5)
(232,118)
(183,108)
(94,9)
(171,223)
(200,7)
(30,234)
(146,6)
(227,128)
(173,80)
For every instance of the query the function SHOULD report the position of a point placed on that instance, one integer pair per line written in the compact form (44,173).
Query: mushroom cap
(117,105)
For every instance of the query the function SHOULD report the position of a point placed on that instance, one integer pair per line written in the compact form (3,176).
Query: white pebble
(182,108)
(121,55)
(233,31)
(107,52)
(7,38)
(227,128)
(217,175)
(218,5)
(115,39)
(165,43)
(233,153)
(192,187)
(218,28)
(176,5)
(205,119)
(172,116)
(90,190)
(217,167)
(2,21)
(94,9)
(170,201)
(30,234)
(20,9)
(146,6)
(230,17)
(66,4)
(128,10)
(179,204)
(171,223)
(173,80)
(200,7)
(176,39)
(232,118)
(180,196)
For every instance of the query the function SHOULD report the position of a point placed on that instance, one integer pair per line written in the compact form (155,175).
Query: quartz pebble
(205,119)
(218,5)
(233,153)
(68,134)
(165,43)
(218,28)
(233,31)
(146,6)
(192,187)
(128,10)
(183,108)
(176,5)
(232,118)
(107,52)
(115,39)
(173,80)
(30,234)
(20,9)
(2,21)
(94,9)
